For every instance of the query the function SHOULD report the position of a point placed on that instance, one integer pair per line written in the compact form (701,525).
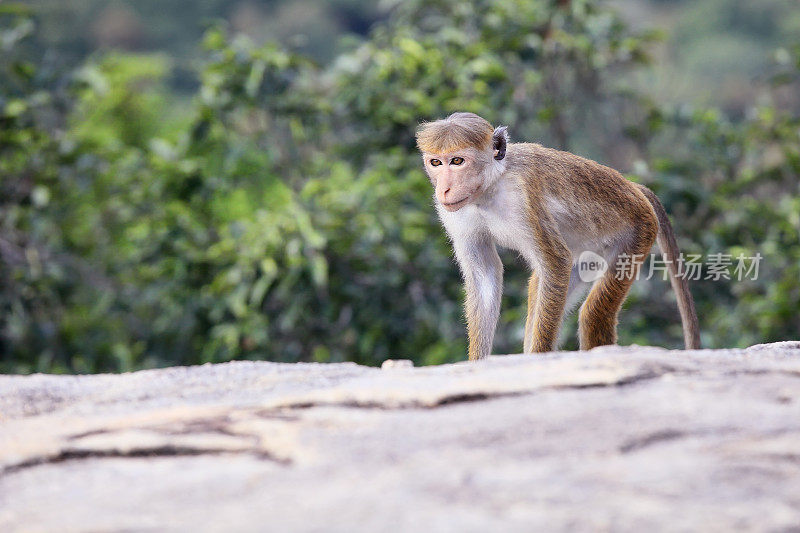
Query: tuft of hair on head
(458,131)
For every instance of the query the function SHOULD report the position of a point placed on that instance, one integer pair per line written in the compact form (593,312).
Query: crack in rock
(184,428)
(652,439)
(468,397)
(406,404)
(77,454)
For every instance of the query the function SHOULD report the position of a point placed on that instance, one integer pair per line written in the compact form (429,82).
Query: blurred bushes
(282,212)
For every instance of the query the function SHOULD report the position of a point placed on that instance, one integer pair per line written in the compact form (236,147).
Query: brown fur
(459,130)
(604,198)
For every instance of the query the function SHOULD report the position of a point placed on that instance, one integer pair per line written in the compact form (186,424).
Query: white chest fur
(500,214)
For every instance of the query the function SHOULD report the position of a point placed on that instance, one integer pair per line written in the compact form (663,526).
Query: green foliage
(281,212)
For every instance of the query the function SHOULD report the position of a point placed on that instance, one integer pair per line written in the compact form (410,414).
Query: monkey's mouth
(455,206)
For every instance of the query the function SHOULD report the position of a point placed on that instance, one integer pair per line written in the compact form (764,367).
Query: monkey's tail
(669,249)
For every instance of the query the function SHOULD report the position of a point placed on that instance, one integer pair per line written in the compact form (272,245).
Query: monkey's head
(462,155)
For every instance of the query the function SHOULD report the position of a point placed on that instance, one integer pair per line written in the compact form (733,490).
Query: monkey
(549,206)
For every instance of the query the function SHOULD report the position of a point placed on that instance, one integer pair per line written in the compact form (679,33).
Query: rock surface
(621,439)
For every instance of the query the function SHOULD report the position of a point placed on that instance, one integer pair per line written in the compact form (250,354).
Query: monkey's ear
(499,142)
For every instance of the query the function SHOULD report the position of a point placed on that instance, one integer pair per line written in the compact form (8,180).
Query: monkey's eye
(435,162)
(456,160)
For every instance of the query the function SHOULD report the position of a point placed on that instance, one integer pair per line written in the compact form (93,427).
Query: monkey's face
(458,177)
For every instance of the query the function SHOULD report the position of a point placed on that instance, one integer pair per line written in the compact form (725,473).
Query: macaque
(549,206)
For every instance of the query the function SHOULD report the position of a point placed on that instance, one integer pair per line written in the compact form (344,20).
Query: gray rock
(397,363)
(616,439)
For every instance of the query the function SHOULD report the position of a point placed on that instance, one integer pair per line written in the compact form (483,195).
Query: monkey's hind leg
(533,285)
(597,321)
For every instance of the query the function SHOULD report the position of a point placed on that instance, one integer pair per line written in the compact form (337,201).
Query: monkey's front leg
(547,298)
(483,281)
